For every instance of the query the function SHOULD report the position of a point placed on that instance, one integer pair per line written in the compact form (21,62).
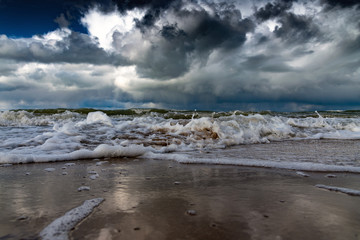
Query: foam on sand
(60,227)
(348,191)
(83,188)
(101,151)
(49,169)
(302,174)
(299,166)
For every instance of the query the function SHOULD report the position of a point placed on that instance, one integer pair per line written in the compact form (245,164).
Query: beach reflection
(147,199)
(125,199)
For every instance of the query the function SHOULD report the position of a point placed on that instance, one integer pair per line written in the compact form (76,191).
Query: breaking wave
(58,135)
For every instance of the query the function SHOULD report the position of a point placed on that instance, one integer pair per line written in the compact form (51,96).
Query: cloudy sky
(277,55)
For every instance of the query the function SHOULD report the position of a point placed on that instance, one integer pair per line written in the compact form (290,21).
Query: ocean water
(311,141)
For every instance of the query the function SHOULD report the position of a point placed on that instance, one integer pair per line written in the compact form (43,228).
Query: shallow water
(148,199)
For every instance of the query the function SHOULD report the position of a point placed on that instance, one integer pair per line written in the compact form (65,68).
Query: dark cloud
(272,10)
(340,3)
(171,32)
(179,48)
(153,12)
(293,28)
(10,88)
(257,92)
(227,11)
(256,62)
(79,48)
(270,63)
(62,21)
(148,20)
(167,60)
(301,51)
(124,5)
(211,33)
(262,39)
(297,28)
(74,48)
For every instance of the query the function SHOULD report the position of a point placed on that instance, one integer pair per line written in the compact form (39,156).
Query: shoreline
(151,199)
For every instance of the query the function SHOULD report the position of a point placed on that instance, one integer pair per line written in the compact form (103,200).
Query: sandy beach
(157,199)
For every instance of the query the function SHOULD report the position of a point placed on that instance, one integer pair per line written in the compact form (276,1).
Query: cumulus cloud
(280,55)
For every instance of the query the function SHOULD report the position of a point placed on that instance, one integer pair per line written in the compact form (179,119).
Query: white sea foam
(60,227)
(340,189)
(83,188)
(102,151)
(302,174)
(25,118)
(236,161)
(101,163)
(97,117)
(94,176)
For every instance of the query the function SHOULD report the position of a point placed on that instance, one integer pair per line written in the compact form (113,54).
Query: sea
(326,141)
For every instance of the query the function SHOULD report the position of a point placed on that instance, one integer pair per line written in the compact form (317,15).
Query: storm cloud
(272,10)
(60,46)
(342,4)
(217,55)
(174,47)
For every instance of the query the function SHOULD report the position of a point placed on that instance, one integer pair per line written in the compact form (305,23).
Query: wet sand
(150,199)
